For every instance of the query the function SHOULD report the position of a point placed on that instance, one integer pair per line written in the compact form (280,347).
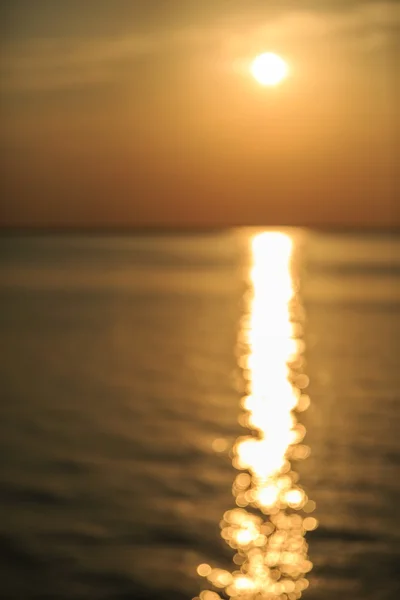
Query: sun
(269,69)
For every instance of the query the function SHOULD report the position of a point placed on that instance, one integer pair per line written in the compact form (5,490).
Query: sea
(200,415)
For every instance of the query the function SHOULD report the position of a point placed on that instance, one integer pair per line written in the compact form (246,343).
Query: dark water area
(121,390)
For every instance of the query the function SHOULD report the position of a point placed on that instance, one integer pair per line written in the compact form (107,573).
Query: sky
(144,113)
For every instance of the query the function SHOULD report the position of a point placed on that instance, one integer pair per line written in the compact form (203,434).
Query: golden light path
(267,529)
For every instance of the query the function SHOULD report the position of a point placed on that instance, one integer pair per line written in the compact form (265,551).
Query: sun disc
(269,69)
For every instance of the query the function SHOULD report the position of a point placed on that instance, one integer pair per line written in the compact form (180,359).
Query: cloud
(45,64)
(356,26)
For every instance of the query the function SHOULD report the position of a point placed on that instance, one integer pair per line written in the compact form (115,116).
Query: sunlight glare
(269,69)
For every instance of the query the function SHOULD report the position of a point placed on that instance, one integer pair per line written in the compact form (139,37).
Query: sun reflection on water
(267,528)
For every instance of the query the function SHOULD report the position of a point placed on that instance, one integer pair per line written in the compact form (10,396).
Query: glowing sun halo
(269,69)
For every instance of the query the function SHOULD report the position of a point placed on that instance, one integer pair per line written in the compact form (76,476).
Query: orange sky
(138,113)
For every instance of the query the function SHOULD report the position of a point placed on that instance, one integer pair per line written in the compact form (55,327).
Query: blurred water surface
(125,366)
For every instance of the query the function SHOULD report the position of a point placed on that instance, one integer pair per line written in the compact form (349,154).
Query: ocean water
(154,440)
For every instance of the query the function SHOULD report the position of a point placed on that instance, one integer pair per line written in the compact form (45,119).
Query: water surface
(123,376)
